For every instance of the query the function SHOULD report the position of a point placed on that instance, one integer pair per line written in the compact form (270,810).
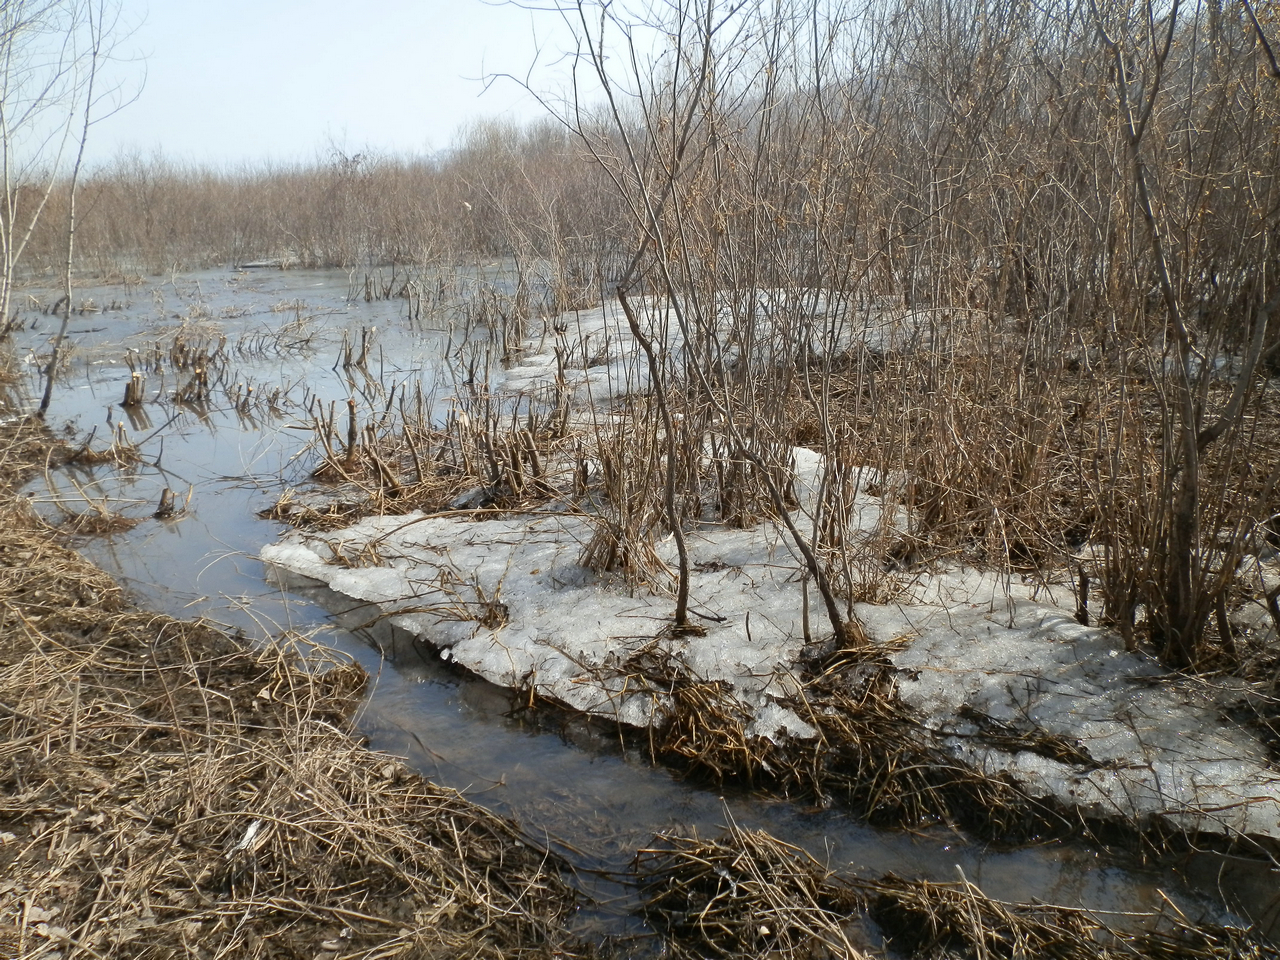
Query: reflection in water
(570,783)
(139,421)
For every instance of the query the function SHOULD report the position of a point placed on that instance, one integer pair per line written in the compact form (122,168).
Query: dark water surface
(570,786)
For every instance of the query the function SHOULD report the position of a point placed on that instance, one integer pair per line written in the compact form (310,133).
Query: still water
(570,785)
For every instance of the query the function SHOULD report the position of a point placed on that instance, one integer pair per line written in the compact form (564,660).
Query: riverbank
(545,767)
(166,792)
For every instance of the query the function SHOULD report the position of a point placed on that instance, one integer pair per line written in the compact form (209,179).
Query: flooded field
(271,345)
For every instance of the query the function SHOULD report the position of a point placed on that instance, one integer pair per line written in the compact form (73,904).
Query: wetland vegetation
(908,320)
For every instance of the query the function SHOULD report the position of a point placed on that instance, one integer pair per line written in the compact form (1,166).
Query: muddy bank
(166,792)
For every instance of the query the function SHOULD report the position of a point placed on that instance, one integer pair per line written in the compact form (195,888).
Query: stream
(569,784)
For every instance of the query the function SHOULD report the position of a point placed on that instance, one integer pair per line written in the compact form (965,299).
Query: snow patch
(996,669)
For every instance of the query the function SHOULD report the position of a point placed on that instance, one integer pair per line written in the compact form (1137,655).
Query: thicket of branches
(500,190)
(1021,260)
(1015,265)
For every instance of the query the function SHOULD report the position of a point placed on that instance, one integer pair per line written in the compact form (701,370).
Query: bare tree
(37,82)
(1194,548)
(51,54)
(94,34)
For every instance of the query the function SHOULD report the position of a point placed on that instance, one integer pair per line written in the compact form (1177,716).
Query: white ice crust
(507,599)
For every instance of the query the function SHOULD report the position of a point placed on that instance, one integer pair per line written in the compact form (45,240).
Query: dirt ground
(165,792)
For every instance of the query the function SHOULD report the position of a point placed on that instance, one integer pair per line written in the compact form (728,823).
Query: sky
(230,81)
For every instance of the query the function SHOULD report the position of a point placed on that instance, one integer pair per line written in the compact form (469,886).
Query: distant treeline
(937,158)
(500,190)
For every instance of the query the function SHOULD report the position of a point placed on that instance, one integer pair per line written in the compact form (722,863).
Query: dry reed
(166,792)
(870,756)
(748,894)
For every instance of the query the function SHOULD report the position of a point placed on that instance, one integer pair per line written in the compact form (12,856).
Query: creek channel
(571,786)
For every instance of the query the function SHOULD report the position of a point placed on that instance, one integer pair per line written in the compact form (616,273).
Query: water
(571,785)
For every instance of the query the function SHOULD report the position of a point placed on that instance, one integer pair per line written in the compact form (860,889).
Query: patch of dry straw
(870,754)
(165,793)
(748,894)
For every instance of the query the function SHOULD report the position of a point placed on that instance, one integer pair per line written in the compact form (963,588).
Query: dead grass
(122,452)
(166,793)
(324,514)
(389,459)
(96,523)
(748,894)
(25,448)
(870,756)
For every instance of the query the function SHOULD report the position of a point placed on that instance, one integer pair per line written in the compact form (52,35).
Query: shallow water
(570,786)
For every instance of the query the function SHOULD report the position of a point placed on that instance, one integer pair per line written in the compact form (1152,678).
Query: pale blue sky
(247,80)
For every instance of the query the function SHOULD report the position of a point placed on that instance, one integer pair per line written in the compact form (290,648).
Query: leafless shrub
(1023,262)
(500,190)
(1038,288)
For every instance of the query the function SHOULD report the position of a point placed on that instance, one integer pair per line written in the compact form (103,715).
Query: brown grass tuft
(748,894)
(164,792)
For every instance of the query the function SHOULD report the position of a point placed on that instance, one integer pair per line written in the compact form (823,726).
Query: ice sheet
(507,599)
